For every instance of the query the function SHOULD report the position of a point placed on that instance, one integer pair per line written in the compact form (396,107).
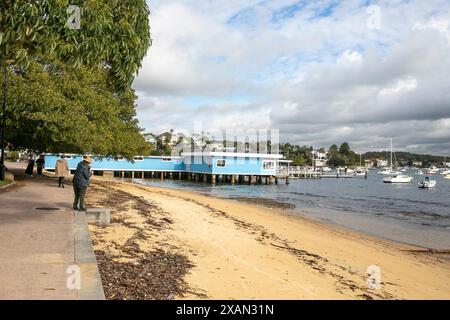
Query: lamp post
(3,124)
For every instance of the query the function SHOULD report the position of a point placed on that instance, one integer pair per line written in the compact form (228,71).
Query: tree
(114,37)
(113,34)
(333,149)
(344,149)
(55,109)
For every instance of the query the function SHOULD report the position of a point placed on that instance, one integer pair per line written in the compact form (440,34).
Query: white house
(320,158)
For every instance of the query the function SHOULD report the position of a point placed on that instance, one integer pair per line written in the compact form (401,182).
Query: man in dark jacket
(40,164)
(81,182)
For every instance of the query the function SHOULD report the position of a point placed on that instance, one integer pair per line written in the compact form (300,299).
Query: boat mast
(391,154)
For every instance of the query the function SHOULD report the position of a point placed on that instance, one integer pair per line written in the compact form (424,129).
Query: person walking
(40,163)
(81,183)
(61,171)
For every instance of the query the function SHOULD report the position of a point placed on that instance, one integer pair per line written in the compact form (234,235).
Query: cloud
(312,69)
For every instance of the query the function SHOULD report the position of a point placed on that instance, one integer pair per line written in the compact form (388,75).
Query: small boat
(326,169)
(398,178)
(360,172)
(420,172)
(432,170)
(427,183)
(447,176)
(446,172)
(385,172)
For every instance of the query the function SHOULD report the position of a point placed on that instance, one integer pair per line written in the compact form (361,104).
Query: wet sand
(171,244)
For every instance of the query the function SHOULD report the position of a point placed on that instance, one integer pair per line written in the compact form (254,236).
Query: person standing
(81,183)
(61,171)
(30,166)
(40,163)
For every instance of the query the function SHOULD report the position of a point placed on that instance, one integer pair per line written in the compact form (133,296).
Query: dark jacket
(82,175)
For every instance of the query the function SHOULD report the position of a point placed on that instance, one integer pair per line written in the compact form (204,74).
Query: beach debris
(158,275)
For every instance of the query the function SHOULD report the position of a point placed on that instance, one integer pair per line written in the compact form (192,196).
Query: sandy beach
(171,244)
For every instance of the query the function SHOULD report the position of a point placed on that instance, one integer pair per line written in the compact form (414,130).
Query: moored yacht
(398,178)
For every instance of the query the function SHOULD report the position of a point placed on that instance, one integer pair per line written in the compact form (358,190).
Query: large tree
(112,39)
(55,109)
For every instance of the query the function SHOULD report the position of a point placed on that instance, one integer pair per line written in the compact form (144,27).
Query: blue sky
(321,72)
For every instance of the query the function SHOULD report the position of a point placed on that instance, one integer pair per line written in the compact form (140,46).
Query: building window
(220,163)
(118,158)
(138,158)
(268,165)
(166,160)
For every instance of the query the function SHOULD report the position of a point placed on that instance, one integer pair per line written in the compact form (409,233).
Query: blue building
(198,166)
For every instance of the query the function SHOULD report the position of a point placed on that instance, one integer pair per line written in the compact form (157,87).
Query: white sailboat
(397,177)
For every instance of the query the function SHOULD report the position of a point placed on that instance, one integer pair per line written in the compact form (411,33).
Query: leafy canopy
(69,90)
(114,34)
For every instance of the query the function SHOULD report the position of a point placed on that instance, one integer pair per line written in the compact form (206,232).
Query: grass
(5,182)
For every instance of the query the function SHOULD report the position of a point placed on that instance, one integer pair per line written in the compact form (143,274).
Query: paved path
(38,246)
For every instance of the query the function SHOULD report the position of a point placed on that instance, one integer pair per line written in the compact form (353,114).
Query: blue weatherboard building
(206,166)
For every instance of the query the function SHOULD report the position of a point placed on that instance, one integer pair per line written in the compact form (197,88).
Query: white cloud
(316,72)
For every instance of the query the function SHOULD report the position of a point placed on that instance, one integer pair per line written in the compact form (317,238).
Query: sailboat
(397,177)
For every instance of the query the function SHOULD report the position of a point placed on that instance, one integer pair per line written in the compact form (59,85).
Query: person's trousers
(79,196)
(61,182)
(39,171)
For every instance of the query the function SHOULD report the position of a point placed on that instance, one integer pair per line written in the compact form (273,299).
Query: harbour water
(399,212)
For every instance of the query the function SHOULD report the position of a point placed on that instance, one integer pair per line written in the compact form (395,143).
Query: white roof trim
(234,154)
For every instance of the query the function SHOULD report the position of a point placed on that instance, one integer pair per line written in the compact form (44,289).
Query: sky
(320,72)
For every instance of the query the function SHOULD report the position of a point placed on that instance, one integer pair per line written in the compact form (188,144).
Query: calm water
(398,212)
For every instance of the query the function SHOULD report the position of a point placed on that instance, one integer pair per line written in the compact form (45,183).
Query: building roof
(233,154)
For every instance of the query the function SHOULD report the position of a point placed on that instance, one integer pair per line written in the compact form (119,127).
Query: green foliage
(114,34)
(344,149)
(71,88)
(343,156)
(53,108)
(300,155)
(406,158)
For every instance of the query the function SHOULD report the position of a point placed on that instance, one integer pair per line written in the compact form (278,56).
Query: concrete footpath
(45,249)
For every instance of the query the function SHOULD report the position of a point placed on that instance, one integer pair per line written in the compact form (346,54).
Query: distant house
(172,138)
(320,158)
(150,138)
(368,163)
(417,164)
(382,163)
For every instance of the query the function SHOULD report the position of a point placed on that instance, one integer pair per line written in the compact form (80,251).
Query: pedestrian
(30,166)
(81,183)
(40,163)
(61,171)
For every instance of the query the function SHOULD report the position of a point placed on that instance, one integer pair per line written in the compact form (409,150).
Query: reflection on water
(398,212)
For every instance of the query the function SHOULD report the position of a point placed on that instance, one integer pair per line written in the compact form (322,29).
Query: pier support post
(252,179)
(276,180)
(233,179)
(270,179)
(162,176)
(213,179)
(287,179)
(205,178)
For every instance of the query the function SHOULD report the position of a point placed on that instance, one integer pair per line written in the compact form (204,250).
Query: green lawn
(4,183)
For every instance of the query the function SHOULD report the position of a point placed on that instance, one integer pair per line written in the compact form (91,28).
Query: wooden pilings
(232,179)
